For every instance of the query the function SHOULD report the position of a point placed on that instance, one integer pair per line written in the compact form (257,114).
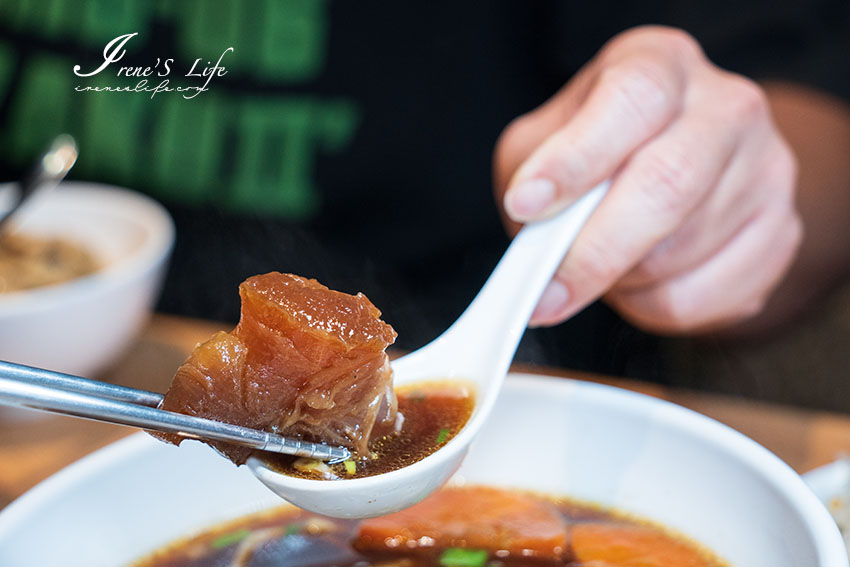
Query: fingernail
(552,304)
(530,198)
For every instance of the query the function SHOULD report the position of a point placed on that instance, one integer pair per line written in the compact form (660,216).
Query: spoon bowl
(477,349)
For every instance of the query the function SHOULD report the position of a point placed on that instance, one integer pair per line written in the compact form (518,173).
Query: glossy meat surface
(473,517)
(304,361)
(633,545)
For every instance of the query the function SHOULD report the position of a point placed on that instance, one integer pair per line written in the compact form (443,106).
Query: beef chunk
(304,361)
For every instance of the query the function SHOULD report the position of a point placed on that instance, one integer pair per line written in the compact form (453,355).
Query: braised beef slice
(606,543)
(304,361)
(474,517)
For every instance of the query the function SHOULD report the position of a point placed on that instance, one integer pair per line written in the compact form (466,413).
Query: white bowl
(831,484)
(597,443)
(82,325)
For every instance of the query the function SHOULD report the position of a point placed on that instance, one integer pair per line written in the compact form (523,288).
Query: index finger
(633,98)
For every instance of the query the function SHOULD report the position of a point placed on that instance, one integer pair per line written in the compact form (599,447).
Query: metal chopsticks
(45,390)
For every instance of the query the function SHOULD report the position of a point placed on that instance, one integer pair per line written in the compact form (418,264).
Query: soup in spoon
(433,413)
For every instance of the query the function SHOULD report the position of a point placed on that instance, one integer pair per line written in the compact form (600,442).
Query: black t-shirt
(351,141)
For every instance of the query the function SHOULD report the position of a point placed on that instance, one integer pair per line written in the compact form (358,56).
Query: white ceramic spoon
(477,348)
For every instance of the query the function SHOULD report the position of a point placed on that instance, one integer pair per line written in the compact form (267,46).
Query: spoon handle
(520,278)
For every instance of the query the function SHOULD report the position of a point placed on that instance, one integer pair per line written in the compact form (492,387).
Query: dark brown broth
(289,537)
(433,413)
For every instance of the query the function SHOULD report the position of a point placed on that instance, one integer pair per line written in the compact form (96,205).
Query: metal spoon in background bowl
(46,174)
(477,349)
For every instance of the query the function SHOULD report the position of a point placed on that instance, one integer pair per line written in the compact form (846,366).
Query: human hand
(699,224)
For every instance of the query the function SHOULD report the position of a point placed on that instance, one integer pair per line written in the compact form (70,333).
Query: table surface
(34,445)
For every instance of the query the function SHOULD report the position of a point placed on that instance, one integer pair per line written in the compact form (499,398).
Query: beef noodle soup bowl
(621,450)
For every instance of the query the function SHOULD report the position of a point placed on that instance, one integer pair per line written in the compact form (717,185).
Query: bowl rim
(158,243)
(831,480)
(825,536)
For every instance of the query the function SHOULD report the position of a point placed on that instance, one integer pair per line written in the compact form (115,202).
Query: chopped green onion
(292,529)
(442,436)
(350,466)
(230,539)
(461,557)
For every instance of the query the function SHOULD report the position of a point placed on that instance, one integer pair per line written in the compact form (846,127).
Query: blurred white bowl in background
(83,325)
